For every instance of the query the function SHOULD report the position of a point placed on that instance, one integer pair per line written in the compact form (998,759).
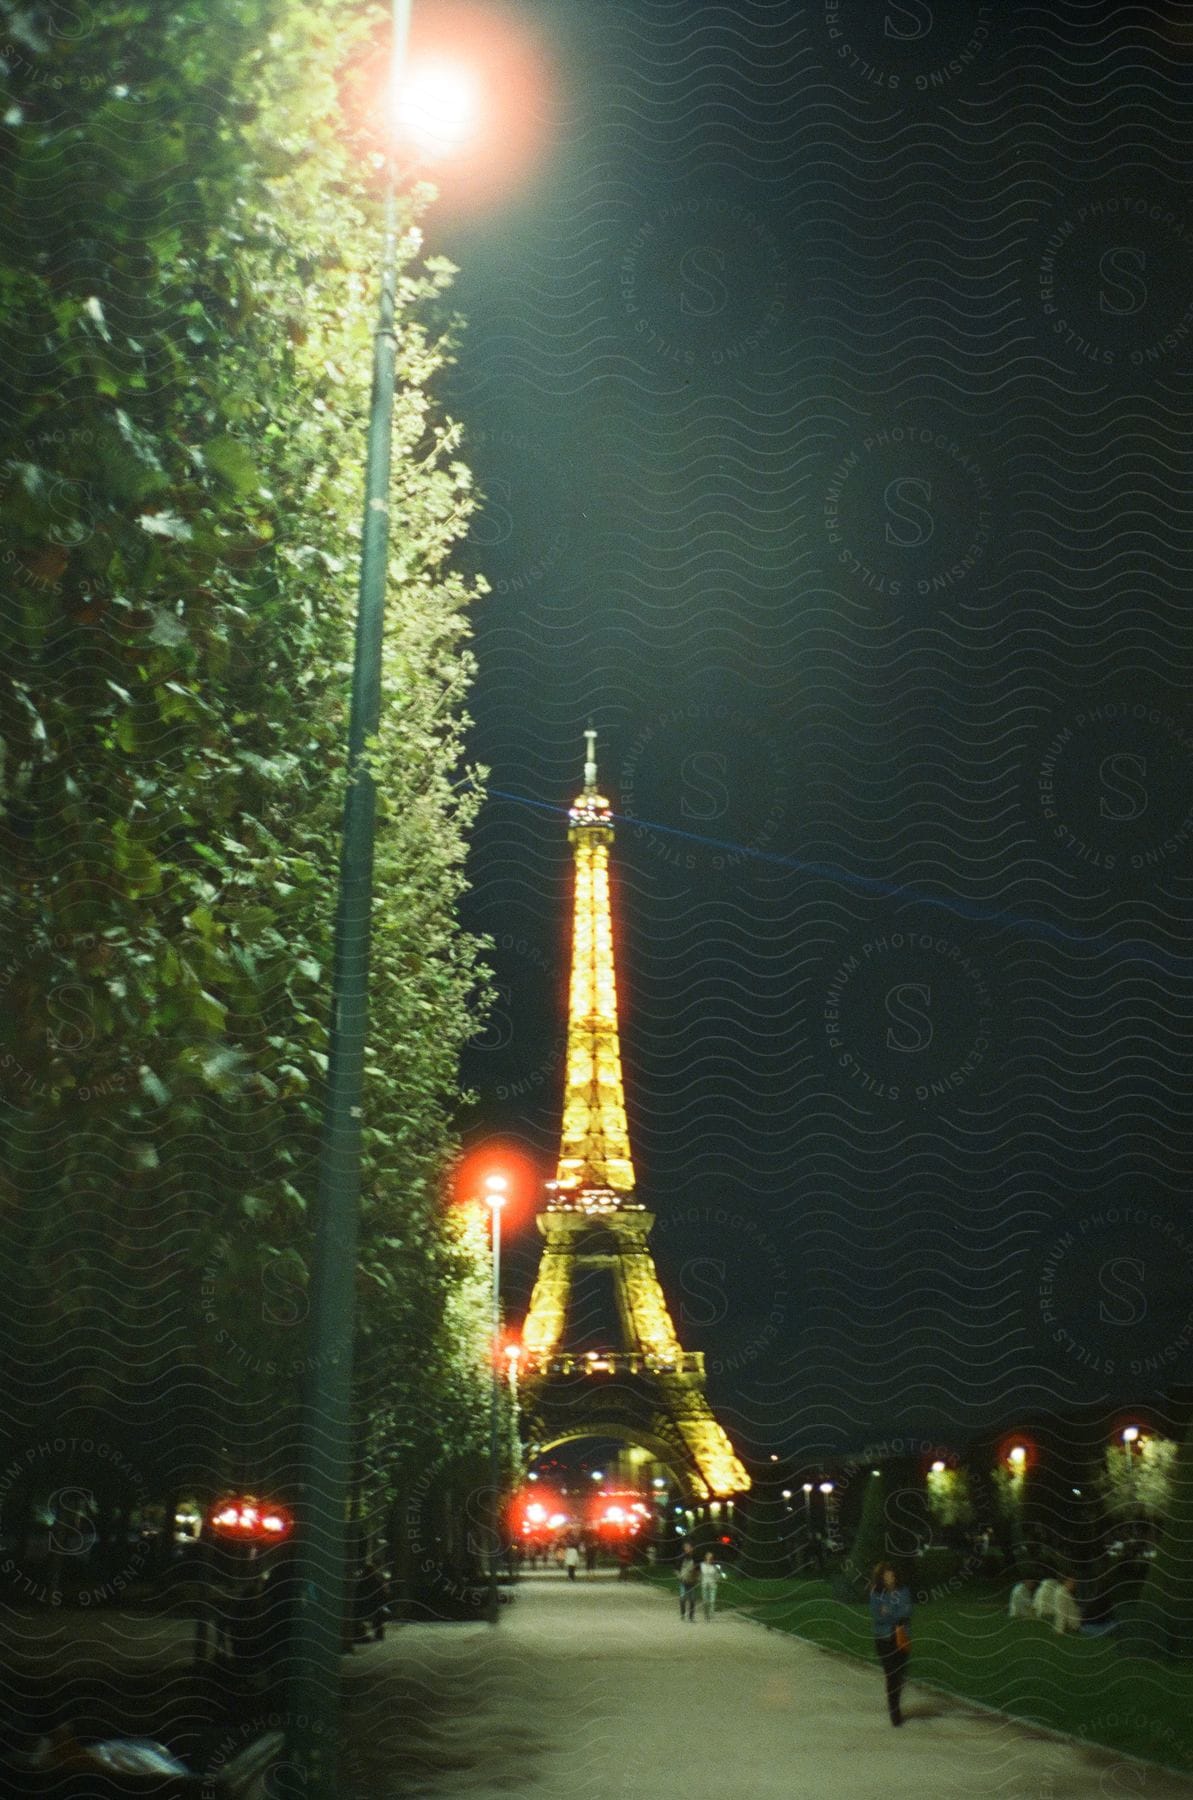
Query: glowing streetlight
(496,1193)
(1017,1456)
(1130,1434)
(810,1548)
(324,1447)
(436,107)
(938,1467)
(826,1487)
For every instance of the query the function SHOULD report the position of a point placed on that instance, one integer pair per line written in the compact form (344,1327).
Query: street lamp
(323,1449)
(495,1197)
(1132,1441)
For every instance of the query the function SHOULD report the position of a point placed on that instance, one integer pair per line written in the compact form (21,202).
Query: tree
(1136,1483)
(1166,1604)
(765,1550)
(950,1503)
(870,1543)
(187,295)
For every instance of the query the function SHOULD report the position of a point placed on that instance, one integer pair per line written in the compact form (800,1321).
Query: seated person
(1066,1614)
(1021,1598)
(1044,1603)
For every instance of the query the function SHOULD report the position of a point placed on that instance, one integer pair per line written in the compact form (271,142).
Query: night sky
(831,383)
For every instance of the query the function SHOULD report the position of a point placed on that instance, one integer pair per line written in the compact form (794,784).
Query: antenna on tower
(590,759)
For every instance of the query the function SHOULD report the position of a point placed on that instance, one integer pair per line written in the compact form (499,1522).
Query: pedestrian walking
(571,1561)
(711,1576)
(689,1583)
(890,1614)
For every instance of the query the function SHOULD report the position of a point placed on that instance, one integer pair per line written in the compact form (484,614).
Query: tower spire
(595,1168)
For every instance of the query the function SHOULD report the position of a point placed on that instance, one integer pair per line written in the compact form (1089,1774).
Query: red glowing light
(497,1174)
(243,1517)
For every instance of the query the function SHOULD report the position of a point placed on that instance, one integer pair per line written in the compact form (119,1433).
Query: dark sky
(831,386)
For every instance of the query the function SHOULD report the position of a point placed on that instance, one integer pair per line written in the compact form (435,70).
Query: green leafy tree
(191,211)
(870,1540)
(1136,1483)
(765,1549)
(1166,1604)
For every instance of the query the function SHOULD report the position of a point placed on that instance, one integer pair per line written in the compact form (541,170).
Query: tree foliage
(1166,1604)
(190,206)
(1136,1482)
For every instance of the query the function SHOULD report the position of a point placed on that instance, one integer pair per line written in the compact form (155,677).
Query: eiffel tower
(647,1390)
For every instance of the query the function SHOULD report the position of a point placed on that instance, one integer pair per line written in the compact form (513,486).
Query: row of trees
(1062,1501)
(190,197)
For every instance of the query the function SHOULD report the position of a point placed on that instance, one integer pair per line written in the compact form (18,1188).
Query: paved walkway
(596,1689)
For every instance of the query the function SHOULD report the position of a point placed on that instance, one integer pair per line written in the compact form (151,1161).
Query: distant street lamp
(495,1196)
(1133,1444)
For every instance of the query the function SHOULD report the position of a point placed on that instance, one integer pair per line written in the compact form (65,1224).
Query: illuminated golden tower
(649,1390)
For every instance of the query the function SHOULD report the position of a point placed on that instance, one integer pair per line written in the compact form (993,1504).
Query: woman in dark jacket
(890,1612)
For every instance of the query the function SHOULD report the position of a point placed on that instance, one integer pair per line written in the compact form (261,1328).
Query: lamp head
(437,107)
(496,1190)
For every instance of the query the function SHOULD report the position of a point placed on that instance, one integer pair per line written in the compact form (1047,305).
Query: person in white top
(1066,1614)
(1044,1604)
(1021,1598)
(711,1575)
(571,1561)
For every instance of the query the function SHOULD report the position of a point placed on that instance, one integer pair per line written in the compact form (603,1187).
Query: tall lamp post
(1133,1444)
(311,1761)
(496,1187)
(309,1769)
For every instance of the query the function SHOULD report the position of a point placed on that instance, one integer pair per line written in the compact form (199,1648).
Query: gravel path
(595,1688)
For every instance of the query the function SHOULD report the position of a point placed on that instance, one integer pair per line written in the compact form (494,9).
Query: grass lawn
(965,1644)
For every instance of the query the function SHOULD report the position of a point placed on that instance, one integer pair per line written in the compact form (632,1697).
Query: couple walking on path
(698,1578)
